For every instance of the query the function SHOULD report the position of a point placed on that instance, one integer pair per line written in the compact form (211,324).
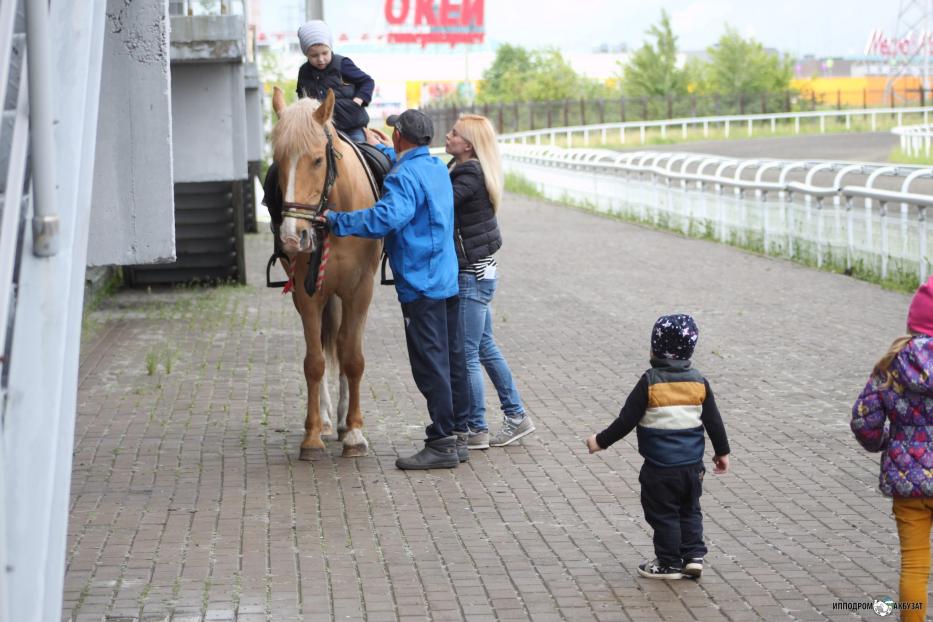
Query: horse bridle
(306,211)
(312,214)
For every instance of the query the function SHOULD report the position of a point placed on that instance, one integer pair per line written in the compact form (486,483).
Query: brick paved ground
(188,502)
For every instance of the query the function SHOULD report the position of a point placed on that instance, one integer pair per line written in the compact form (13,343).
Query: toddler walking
(671,405)
(894,415)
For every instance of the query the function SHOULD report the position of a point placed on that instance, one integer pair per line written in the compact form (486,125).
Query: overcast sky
(821,27)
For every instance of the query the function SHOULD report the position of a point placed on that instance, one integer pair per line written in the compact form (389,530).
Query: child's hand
(722,464)
(358,101)
(592,445)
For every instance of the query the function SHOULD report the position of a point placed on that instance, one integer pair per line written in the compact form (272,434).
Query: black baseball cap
(414,125)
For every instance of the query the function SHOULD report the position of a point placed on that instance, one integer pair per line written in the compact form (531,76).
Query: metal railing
(14,146)
(622,133)
(831,214)
(915,139)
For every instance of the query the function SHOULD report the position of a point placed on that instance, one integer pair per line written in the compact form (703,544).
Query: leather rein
(306,211)
(311,213)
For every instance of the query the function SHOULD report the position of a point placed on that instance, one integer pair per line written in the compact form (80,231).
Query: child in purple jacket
(894,415)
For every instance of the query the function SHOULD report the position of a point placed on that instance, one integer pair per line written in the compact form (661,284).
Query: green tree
(740,65)
(551,77)
(507,75)
(652,70)
(517,74)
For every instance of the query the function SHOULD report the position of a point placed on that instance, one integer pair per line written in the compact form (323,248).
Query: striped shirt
(485,268)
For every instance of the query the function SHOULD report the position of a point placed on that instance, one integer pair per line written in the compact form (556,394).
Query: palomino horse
(317,170)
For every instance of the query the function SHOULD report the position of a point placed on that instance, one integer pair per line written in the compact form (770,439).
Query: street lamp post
(314,9)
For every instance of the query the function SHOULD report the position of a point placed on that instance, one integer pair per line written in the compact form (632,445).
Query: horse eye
(318,161)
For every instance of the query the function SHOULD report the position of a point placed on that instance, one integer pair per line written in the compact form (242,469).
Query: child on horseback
(324,70)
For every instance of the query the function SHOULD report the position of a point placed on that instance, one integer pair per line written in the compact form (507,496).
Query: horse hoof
(355,451)
(341,432)
(312,453)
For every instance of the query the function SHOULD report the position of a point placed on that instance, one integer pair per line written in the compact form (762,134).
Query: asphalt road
(859,147)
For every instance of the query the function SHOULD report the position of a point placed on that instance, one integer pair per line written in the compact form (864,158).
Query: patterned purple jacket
(907,442)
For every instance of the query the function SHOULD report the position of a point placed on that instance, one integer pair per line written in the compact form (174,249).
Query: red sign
(435,21)
(914,44)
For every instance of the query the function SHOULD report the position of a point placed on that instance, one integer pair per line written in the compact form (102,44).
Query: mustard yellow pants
(914,519)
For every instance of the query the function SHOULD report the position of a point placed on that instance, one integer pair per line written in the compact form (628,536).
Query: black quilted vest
(314,82)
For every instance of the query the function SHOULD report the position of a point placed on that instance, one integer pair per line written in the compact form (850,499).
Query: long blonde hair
(882,368)
(478,131)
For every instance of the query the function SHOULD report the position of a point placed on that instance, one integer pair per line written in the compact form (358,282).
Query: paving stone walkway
(188,502)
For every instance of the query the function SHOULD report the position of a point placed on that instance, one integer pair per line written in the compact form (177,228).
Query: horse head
(304,152)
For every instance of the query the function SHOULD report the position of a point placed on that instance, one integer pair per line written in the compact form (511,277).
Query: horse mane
(297,131)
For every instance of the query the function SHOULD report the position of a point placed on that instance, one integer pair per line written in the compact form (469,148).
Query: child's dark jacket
(671,406)
(347,81)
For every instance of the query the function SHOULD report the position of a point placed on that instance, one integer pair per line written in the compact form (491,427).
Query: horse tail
(330,325)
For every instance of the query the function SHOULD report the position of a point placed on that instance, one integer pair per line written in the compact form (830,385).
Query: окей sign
(435,21)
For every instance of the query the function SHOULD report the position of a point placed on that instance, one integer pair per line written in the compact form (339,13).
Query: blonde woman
(476,176)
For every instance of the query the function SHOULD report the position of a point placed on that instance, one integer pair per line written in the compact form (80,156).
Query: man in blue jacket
(415,216)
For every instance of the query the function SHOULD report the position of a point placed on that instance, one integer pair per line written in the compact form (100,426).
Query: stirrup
(269,282)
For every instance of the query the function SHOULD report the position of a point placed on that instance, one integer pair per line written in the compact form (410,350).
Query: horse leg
(312,447)
(327,407)
(342,408)
(350,352)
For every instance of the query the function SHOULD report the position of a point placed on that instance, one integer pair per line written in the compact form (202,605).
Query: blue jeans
(481,351)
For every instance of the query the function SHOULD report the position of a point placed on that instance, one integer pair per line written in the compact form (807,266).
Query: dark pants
(435,349)
(670,497)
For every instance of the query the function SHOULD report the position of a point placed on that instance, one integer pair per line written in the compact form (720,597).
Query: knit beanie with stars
(674,337)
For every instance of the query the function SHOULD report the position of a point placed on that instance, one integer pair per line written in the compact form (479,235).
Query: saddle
(376,164)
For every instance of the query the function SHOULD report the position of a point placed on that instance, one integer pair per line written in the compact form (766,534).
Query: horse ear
(325,111)
(278,101)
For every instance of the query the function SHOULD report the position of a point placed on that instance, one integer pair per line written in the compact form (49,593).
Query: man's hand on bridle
(320,221)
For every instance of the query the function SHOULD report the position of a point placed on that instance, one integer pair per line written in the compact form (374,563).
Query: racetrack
(857,147)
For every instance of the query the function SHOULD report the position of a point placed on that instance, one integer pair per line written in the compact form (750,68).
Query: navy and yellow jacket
(671,405)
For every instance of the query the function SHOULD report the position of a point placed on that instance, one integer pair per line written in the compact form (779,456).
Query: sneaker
(654,570)
(694,567)
(478,440)
(511,432)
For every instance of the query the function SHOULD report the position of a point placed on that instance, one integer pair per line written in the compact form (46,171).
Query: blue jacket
(416,217)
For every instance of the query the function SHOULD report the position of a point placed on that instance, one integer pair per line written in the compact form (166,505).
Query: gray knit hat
(313,33)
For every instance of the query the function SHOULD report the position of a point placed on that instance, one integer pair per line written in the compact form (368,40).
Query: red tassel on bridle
(290,283)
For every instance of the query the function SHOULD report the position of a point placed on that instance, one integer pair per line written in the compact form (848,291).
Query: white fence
(831,214)
(915,139)
(586,135)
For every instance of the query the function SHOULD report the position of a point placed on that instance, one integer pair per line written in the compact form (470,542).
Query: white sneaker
(511,432)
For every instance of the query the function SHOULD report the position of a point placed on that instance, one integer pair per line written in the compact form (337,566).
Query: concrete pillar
(132,218)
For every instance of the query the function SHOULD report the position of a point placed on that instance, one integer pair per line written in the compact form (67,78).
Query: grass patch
(519,184)
(899,156)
